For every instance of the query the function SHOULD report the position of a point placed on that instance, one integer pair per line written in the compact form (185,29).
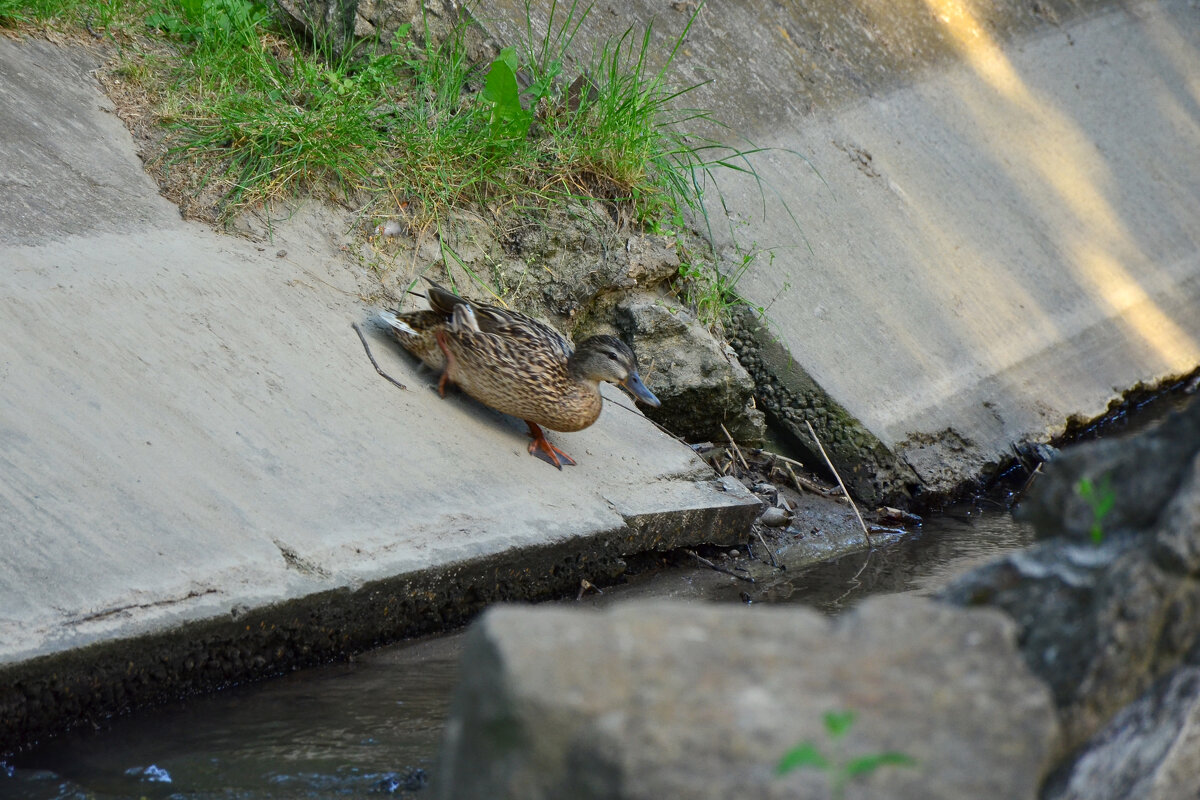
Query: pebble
(774,517)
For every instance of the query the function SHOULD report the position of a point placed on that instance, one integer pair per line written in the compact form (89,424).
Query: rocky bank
(1068,670)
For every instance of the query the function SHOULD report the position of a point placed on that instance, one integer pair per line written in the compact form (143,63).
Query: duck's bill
(634,384)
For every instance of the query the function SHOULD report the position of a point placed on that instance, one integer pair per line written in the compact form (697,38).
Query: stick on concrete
(375,363)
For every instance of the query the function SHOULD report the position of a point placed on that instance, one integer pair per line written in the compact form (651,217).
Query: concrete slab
(997,217)
(191,434)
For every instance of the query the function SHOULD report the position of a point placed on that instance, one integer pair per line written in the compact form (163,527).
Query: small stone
(774,517)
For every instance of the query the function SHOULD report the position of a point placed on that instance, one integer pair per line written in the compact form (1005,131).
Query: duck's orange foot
(541,443)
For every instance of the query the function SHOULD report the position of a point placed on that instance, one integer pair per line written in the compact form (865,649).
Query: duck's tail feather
(398,325)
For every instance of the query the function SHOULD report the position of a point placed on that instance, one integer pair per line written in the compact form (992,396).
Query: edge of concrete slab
(49,694)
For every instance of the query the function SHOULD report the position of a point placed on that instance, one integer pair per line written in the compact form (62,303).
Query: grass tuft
(260,114)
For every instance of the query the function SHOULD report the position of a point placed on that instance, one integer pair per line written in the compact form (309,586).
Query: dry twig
(792,474)
(713,566)
(374,363)
(833,469)
(735,447)
(770,554)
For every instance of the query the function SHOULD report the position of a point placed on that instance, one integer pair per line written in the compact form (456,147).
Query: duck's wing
(523,330)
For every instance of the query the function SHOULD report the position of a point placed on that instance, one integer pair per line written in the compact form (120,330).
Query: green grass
(258,115)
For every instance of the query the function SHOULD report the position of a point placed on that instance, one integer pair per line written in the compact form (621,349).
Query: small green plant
(839,769)
(712,292)
(509,121)
(1100,500)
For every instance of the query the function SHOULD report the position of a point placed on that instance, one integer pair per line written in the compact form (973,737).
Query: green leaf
(869,763)
(508,120)
(508,56)
(168,23)
(1084,488)
(838,723)
(803,755)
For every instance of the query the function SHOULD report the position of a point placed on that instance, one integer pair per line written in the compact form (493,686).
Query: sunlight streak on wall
(1068,172)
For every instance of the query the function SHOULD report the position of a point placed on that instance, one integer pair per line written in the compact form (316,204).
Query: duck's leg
(441,340)
(541,443)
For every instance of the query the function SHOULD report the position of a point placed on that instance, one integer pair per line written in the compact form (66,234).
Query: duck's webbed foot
(541,443)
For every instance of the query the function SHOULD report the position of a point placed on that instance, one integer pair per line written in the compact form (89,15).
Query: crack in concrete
(113,611)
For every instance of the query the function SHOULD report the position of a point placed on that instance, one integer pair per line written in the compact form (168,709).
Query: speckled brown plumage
(516,364)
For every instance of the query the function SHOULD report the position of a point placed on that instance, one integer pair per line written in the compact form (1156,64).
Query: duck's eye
(612,355)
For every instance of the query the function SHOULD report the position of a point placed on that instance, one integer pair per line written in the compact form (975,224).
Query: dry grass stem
(374,363)
(833,469)
(735,447)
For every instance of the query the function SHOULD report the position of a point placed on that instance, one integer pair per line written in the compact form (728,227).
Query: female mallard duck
(516,364)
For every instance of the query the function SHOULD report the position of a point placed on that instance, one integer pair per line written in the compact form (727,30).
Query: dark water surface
(345,730)
(360,729)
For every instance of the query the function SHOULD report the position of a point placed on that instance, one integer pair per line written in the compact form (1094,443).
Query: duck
(517,365)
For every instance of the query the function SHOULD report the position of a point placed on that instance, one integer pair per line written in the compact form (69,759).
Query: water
(344,730)
(361,729)
(960,539)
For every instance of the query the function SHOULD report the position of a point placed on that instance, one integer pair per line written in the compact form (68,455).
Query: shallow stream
(372,726)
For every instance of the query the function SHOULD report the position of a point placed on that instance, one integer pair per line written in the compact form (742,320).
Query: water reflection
(946,546)
(342,730)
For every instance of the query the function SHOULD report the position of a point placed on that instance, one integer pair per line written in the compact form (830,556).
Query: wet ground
(373,726)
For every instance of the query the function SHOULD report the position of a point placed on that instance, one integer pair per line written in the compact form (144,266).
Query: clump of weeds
(253,112)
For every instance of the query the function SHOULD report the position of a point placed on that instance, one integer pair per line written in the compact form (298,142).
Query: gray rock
(328,21)
(1177,537)
(1149,751)
(337,23)
(689,701)
(1098,624)
(774,517)
(1101,622)
(573,261)
(700,382)
(1142,472)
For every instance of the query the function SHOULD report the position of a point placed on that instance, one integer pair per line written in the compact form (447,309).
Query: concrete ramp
(997,210)
(203,478)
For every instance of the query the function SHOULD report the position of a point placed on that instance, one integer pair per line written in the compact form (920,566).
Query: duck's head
(607,358)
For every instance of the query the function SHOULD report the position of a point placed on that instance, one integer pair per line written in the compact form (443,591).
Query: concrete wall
(995,204)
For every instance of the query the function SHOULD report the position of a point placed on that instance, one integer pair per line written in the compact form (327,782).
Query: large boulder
(1142,473)
(1108,604)
(668,700)
(1150,750)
